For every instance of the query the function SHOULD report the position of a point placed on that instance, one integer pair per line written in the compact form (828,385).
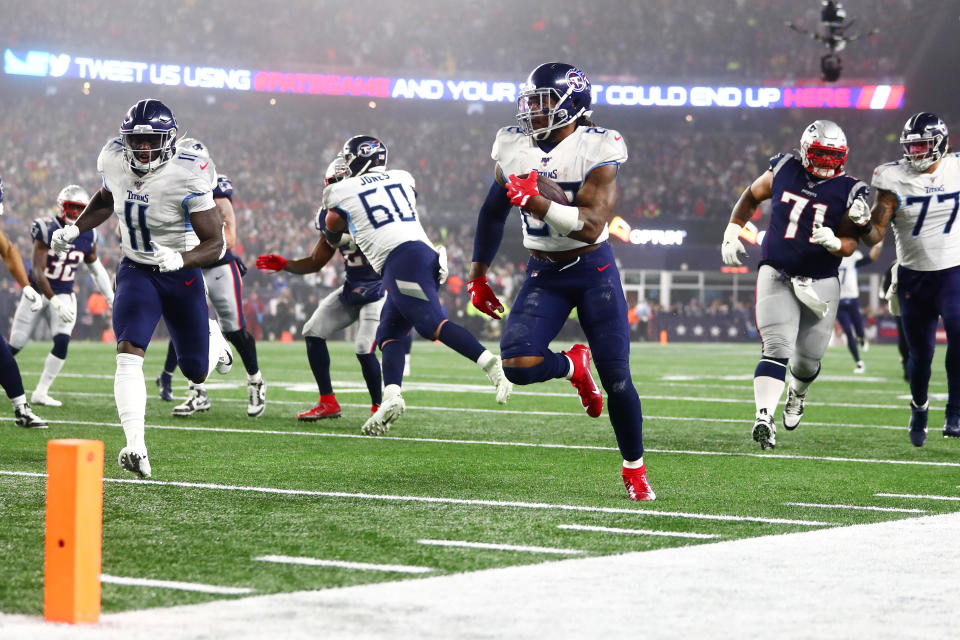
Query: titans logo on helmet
(576,79)
(367,149)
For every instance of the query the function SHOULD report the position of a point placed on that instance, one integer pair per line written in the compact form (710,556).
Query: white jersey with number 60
(380,208)
(157,206)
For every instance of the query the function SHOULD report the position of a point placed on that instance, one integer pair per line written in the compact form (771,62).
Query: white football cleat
(44,399)
(26,418)
(764,431)
(860,368)
(495,374)
(391,408)
(225,361)
(793,409)
(257,392)
(134,462)
(197,400)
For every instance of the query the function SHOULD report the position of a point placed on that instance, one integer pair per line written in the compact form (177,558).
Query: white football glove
(825,237)
(444,268)
(859,212)
(167,259)
(731,247)
(62,239)
(33,297)
(64,309)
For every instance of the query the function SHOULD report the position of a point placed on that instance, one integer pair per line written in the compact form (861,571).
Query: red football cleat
(373,408)
(638,487)
(590,396)
(328,407)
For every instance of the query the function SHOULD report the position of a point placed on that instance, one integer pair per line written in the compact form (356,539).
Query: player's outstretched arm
(731,248)
(311,264)
(229,221)
(39,267)
(100,276)
(880,217)
(11,258)
(96,212)
(208,225)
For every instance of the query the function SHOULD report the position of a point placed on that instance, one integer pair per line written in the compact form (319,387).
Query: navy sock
(553,365)
(370,367)
(319,359)
(393,357)
(170,364)
(10,378)
(247,348)
(460,340)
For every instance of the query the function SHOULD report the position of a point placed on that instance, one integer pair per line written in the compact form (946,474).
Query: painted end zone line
(641,532)
(854,507)
(499,547)
(174,584)
(917,497)
(465,501)
(341,564)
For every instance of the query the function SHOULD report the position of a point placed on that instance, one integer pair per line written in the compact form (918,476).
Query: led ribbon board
(43,64)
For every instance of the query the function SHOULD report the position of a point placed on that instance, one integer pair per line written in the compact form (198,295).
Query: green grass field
(227,489)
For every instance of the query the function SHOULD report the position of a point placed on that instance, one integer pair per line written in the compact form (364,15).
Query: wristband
(865,229)
(563,219)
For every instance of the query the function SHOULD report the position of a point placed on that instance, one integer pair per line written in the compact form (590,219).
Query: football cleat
(134,462)
(638,487)
(197,400)
(26,418)
(860,368)
(918,424)
(390,409)
(495,374)
(864,344)
(44,399)
(164,383)
(793,409)
(328,407)
(582,379)
(257,392)
(763,430)
(951,425)
(225,361)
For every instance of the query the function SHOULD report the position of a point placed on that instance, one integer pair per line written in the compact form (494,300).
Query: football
(549,189)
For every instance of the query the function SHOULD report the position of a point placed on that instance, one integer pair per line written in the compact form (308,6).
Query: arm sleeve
(102,280)
(490,222)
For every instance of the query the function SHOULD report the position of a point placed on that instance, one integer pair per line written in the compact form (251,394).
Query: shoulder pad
(606,145)
(193,147)
(506,137)
(778,161)
(38,230)
(224,188)
(320,220)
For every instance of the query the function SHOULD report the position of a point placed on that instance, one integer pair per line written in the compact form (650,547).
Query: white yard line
(853,507)
(917,497)
(500,547)
(463,501)
(342,564)
(640,532)
(175,584)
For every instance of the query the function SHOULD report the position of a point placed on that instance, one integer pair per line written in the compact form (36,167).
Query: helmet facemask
(146,149)
(821,160)
(546,104)
(922,152)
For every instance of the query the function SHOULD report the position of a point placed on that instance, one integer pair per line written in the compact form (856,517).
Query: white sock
(199,386)
(19,401)
(51,368)
(130,393)
(485,359)
(217,344)
(633,464)
(799,386)
(767,392)
(254,377)
(569,373)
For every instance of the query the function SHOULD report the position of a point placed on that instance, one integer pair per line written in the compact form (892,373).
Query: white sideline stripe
(500,547)
(342,564)
(854,507)
(174,584)
(641,532)
(496,443)
(464,501)
(917,496)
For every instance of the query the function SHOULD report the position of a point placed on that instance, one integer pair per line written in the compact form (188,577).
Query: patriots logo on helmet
(576,79)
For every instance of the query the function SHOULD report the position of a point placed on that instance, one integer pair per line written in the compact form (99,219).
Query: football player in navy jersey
(54,275)
(358,300)
(571,264)
(223,280)
(811,229)
(920,195)
(10,378)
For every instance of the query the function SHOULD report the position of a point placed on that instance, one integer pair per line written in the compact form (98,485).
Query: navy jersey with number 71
(799,203)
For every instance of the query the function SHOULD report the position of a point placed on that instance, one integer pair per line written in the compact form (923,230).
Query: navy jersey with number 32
(800,202)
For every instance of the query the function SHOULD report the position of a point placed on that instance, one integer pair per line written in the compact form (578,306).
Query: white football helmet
(336,171)
(71,202)
(823,149)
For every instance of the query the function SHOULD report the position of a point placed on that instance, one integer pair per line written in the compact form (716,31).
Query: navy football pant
(591,284)
(10,378)
(924,297)
(851,321)
(144,294)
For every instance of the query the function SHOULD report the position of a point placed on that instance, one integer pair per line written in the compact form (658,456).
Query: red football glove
(483,297)
(520,190)
(271,262)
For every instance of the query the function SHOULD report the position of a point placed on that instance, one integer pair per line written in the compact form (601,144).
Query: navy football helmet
(554,95)
(924,139)
(361,154)
(148,133)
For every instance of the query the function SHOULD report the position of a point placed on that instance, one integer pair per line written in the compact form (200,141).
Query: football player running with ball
(170,227)
(571,265)
(798,289)
(379,206)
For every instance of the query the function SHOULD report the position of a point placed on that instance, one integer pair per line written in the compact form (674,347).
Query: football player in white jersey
(379,207)
(53,276)
(848,309)
(920,195)
(571,266)
(170,227)
(10,378)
